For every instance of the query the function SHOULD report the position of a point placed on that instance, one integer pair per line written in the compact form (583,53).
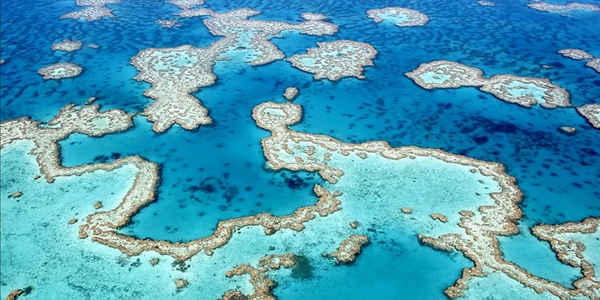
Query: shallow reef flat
(479,198)
(60,71)
(495,216)
(285,150)
(592,113)
(94,10)
(524,91)
(176,73)
(399,16)
(336,60)
(543,6)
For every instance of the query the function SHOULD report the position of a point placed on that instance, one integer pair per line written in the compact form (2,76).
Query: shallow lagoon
(218,172)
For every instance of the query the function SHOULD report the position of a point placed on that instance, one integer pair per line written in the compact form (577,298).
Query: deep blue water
(217,172)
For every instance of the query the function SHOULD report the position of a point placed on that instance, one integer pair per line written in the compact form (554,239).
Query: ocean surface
(218,172)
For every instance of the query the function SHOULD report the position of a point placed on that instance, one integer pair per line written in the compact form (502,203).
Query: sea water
(218,172)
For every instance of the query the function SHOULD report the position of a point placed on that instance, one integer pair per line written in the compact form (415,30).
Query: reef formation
(94,10)
(525,91)
(176,73)
(471,231)
(543,6)
(335,60)
(592,113)
(67,46)
(399,16)
(60,71)
(578,54)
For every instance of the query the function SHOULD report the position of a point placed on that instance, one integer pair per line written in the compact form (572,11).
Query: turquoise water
(217,172)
